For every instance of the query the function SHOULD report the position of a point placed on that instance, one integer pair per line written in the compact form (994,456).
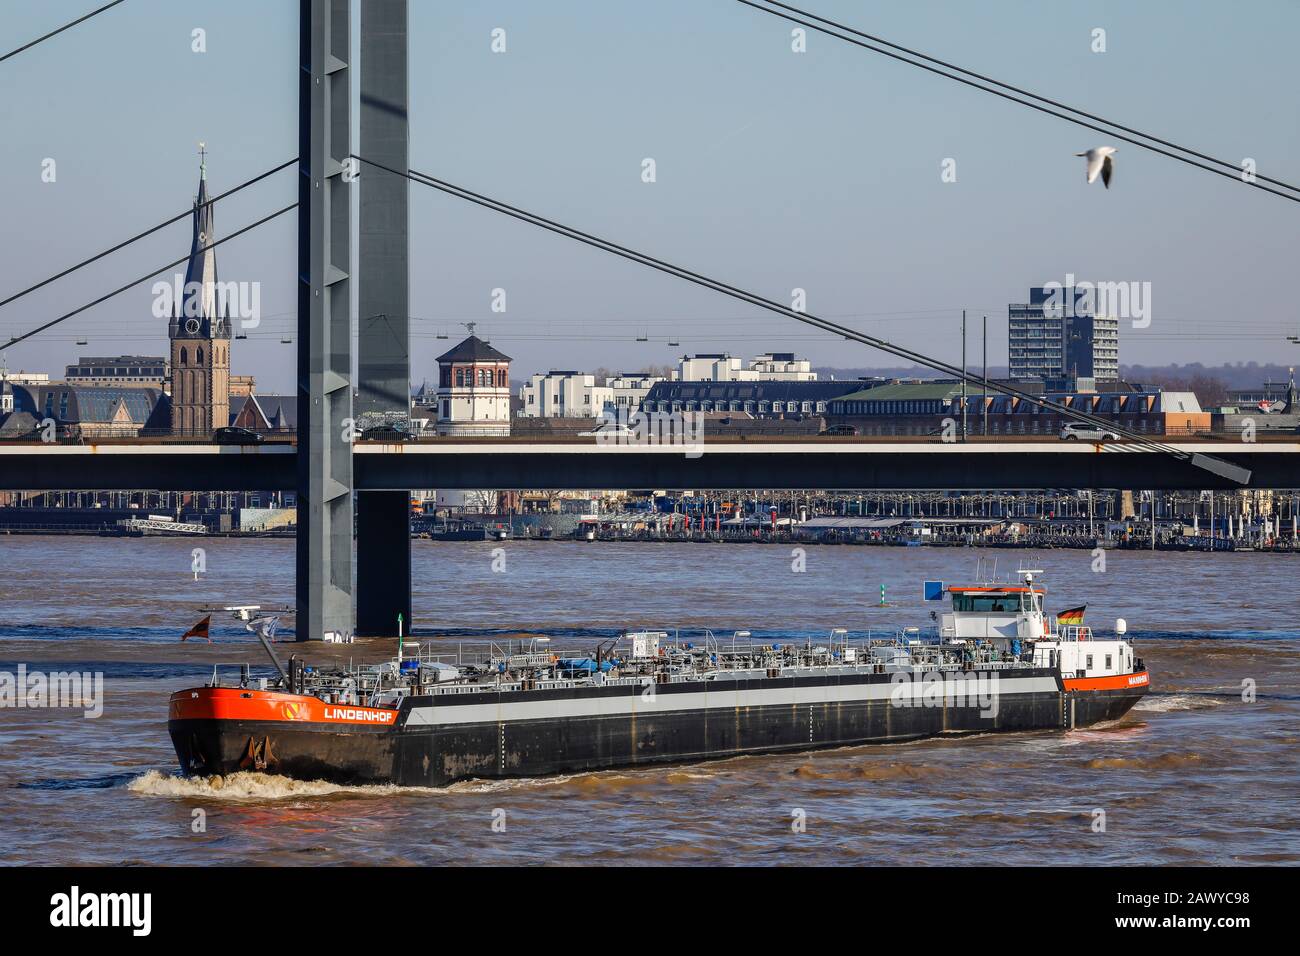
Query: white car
(1075,431)
(609,430)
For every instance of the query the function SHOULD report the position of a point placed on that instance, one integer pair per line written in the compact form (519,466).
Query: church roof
(473,349)
(281,410)
(265,412)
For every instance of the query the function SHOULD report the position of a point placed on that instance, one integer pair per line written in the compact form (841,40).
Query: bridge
(720,464)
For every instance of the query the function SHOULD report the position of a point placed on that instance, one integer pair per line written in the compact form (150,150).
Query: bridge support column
(324,466)
(383,293)
(383,562)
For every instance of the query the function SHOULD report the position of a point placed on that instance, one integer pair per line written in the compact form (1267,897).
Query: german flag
(1072,617)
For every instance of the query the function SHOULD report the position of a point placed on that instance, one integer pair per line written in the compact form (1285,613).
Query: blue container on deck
(582,664)
(410,666)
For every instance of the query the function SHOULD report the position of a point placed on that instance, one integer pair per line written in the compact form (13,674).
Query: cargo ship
(994,662)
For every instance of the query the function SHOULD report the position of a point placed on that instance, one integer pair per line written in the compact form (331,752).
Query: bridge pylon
(324,374)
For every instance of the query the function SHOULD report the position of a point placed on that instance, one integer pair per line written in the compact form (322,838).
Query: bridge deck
(841,462)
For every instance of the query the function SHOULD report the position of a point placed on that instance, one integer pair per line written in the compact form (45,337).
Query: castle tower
(199,334)
(473,389)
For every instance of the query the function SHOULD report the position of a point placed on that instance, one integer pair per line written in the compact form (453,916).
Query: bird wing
(1094,165)
(1107,170)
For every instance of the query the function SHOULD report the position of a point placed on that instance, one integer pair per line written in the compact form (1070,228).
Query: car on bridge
(389,434)
(236,435)
(1076,431)
(608,429)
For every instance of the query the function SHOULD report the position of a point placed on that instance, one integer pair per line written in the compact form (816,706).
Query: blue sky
(775,170)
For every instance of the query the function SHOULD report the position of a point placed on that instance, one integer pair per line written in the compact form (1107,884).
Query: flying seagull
(1099,161)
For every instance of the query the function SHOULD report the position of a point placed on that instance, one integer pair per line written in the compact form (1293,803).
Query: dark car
(842,430)
(235,435)
(385,433)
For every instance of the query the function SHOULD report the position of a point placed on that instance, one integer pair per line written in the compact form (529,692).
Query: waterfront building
(1067,346)
(721,367)
(564,394)
(1274,393)
(473,396)
(139,370)
(478,501)
(630,389)
(1283,415)
(199,335)
(773,399)
(926,408)
(571,394)
(782,367)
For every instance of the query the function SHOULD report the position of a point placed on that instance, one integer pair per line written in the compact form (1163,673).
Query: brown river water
(1193,775)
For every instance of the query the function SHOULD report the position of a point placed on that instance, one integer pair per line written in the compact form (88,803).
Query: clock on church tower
(200,333)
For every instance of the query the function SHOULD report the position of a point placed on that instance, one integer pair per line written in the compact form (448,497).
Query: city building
(200,337)
(631,388)
(928,408)
(1273,393)
(782,367)
(473,396)
(779,399)
(1057,338)
(564,394)
(1283,414)
(719,367)
(142,370)
(24,378)
(241,386)
(571,394)
(121,411)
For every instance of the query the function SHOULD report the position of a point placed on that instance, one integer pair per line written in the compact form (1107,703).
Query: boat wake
(256,786)
(1164,703)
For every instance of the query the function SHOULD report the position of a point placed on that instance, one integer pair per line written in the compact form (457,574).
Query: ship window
(1107,662)
(1088,662)
(985,603)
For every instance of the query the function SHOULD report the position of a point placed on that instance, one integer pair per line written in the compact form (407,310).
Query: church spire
(200,299)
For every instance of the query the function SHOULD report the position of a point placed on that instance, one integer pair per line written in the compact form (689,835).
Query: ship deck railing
(677,665)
